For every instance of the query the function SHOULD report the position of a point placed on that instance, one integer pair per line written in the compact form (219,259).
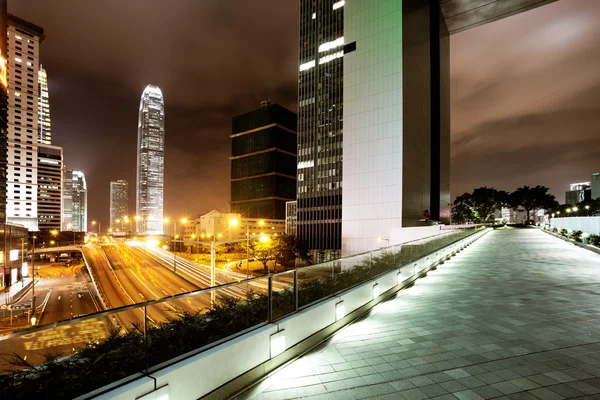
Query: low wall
(584,224)
(403,235)
(227,368)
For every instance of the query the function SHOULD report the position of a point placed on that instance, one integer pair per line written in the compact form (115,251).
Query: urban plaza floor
(516,315)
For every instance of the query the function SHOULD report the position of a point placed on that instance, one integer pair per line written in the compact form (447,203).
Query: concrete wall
(372,146)
(255,354)
(584,224)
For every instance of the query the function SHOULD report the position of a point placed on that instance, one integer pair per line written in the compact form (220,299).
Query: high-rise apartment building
(49,186)
(3,109)
(67,200)
(24,40)
(79,195)
(263,161)
(373,121)
(44,126)
(119,199)
(150,162)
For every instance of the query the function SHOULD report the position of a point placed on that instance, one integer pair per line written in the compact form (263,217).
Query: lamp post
(33,281)
(99,228)
(235,222)
(587,209)
(175,236)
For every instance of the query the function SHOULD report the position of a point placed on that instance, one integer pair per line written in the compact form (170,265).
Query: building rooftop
(26,25)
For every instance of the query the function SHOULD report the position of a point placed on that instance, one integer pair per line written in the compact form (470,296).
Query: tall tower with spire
(150,162)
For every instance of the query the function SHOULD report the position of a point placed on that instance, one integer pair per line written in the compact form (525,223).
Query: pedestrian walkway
(516,315)
(17,289)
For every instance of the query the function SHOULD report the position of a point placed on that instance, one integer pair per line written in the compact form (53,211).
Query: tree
(531,199)
(288,248)
(260,250)
(462,212)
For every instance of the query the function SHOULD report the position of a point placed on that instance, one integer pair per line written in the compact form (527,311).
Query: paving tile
(546,394)
(467,395)
(413,394)
(490,322)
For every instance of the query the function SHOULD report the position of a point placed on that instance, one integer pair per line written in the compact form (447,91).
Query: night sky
(525,91)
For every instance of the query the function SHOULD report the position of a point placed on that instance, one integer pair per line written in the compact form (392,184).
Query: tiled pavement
(516,315)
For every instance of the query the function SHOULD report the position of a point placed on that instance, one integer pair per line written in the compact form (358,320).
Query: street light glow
(234,222)
(184,220)
(54,232)
(265,239)
(166,220)
(575,209)
(261,223)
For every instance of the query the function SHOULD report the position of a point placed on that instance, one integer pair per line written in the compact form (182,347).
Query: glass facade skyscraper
(320,124)
(67,200)
(150,162)
(50,186)
(79,202)
(373,121)
(119,199)
(44,126)
(263,162)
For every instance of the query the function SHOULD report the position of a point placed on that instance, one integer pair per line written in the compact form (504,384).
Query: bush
(554,230)
(564,232)
(594,240)
(576,236)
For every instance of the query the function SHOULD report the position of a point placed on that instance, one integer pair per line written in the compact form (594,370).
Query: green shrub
(554,230)
(576,236)
(594,240)
(564,232)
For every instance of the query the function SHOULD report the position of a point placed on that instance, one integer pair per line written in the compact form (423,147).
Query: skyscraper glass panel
(150,162)
(44,127)
(320,115)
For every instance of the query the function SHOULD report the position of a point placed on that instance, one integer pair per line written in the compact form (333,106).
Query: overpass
(461,15)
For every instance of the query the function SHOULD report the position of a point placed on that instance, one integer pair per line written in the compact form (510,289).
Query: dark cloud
(212,60)
(526,99)
(524,90)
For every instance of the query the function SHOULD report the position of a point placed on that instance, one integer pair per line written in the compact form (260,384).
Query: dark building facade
(373,121)
(263,162)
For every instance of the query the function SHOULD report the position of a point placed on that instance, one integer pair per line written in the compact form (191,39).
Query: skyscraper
(67,200)
(3,110)
(263,161)
(49,186)
(373,121)
(150,162)
(44,127)
(79,194)
(119,199)
(24,40)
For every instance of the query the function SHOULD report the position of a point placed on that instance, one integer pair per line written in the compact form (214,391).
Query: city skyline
(197,150)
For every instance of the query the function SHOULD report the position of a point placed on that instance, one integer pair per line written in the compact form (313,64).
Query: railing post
(146,337)
(296,290)
(270,299)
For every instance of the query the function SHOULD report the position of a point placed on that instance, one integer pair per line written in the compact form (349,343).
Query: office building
(150,162)
(373,122)
(79,194)
(49,186)
(595,186)
(578,192)
(263,161)
(290,218)
(219,224)
(44,126)
(3,109)
(67,199)
(24,40)
(119,204)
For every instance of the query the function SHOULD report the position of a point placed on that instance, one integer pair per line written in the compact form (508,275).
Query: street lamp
(99,228)
(175,236)
(575,209)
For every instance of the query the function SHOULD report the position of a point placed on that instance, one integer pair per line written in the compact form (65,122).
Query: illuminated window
(307,66)
(339,4)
